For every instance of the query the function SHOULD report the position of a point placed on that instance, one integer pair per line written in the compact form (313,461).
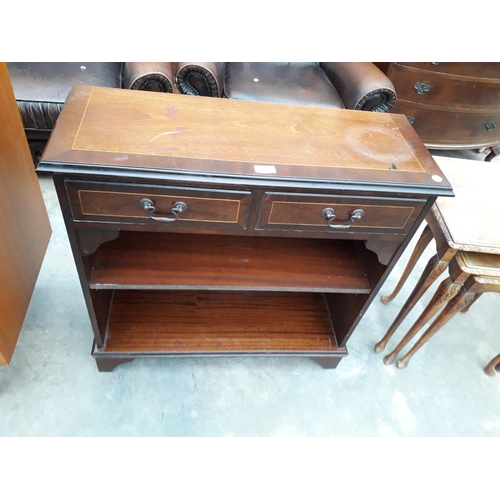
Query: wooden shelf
(216,262)
(185,321)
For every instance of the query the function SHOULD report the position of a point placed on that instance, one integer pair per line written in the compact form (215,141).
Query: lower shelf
(146,323)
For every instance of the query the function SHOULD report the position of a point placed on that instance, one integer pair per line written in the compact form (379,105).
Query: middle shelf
(156,261)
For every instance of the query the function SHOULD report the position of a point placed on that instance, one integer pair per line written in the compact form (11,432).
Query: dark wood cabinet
(451,105)
(210,227)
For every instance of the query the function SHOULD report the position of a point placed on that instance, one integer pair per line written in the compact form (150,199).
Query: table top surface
(132,130)
(471,217)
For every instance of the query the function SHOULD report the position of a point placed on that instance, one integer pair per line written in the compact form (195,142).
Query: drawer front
(449,127)
(121,203)
(335,214)
(442,89)
(471,69)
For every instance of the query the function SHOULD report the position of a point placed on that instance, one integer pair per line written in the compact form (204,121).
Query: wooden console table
(211,227)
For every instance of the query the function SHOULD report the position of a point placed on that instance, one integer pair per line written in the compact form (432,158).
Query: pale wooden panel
(24,224)
(471,217)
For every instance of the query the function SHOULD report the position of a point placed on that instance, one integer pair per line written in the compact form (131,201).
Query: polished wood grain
(24,225)
(124,130)
(160,260)
(197,321)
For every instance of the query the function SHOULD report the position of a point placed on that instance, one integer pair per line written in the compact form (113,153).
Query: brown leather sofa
(351,85)
(41,88)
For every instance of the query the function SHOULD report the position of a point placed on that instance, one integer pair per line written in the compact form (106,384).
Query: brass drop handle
(177,208)
(329,215)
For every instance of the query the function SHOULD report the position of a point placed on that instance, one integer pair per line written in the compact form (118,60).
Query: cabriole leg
(423,241)
(455,305)
(432,271)
(445,292)
(493,365)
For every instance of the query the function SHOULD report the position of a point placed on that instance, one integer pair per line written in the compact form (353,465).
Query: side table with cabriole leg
(437,264)
(471,275)
(465,224)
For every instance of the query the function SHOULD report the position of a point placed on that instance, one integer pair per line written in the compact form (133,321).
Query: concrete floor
(52,386)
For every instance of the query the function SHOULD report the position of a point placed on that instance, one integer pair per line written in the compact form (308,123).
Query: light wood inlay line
(145,195)
(182,147)
(406,142)
(83,118)
(353,206)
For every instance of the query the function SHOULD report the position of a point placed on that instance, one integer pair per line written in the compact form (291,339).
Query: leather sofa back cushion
(41,88)
(296,83)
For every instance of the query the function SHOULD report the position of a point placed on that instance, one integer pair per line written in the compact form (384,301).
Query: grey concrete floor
(52,386)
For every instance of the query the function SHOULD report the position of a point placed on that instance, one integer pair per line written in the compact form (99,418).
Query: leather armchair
(41,88)
(358,85)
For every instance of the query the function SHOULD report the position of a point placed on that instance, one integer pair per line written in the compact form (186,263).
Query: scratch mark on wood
(176,131)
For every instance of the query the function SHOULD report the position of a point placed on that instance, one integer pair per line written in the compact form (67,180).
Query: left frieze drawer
(123,203)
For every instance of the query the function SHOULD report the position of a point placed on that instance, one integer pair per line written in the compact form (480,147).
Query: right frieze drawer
(337,213)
